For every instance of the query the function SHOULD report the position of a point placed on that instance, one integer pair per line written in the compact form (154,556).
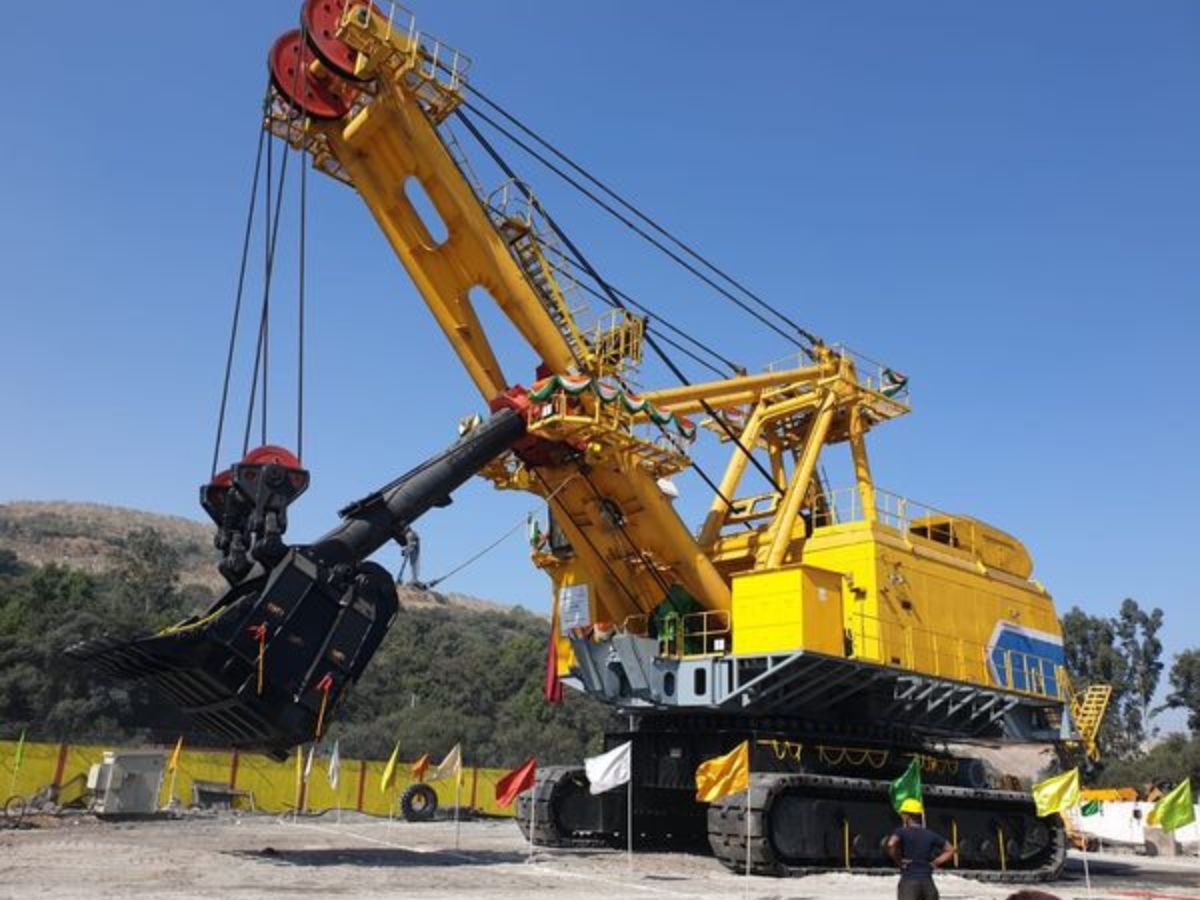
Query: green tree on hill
(1185,687)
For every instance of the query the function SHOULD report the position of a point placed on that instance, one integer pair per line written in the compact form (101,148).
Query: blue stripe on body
(1034,661)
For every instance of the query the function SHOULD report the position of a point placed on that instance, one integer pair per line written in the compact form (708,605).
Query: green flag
(907,786)
(1091,808)
(1174,810)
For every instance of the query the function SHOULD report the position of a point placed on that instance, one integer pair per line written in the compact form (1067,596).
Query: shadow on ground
(377,857)
(1112,874)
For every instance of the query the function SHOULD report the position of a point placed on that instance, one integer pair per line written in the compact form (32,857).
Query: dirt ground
(261,858)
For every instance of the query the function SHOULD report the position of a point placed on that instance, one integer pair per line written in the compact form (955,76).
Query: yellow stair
(1087,711)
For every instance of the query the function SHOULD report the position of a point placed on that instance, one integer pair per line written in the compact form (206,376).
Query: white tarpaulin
(609,770)
(1124,823)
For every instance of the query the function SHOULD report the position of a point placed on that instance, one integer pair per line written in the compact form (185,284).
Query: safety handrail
(698,635)
(844,505)
(954,657)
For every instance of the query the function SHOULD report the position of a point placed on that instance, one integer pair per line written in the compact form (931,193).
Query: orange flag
(516,781)
(420,767)
(724,775)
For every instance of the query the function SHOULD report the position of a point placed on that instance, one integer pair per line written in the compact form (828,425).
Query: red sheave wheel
(290,61)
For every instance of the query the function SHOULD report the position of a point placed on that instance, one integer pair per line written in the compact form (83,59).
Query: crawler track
(565,811)
(805,824)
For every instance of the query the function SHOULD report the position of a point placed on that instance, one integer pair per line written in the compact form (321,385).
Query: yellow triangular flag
(1057,794)
(725,775)
(451,766)
(389,771)
(173,762)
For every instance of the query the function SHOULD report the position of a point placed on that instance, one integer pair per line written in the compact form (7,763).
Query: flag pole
(171,789)
(1087,875)
(18,759)
(532,818)
(299,782)
(629,798)
(629,814)
(457,803)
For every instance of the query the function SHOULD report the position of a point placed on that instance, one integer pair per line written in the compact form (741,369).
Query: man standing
(410,558)
(917,851)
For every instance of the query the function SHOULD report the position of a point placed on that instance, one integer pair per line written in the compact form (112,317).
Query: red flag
(552,690)
(420,767)
(516,781)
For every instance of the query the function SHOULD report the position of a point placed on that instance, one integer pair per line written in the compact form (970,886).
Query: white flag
(335,767)
(451,766)
(309,764)
(609,770)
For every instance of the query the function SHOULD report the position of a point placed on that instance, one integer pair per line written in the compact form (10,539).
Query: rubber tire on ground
(418,803)
(14,809)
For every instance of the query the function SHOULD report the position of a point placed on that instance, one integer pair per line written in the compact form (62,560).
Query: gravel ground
(260,858)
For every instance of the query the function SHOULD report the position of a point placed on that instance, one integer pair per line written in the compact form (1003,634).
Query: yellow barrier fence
(268,786)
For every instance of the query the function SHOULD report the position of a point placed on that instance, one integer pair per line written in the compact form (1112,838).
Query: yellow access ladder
(1087,712)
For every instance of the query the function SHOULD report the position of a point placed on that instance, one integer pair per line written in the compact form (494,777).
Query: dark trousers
(917,889)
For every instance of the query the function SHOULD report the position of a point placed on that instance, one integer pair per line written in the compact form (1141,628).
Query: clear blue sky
(1002,200)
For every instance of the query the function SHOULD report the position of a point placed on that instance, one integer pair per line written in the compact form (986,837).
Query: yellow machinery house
(942,596)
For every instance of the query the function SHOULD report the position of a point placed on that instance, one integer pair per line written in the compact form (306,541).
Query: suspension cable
(690,251)
(654,317)
(745,307)
(265,324)
(616,301)
(237,303)
(272,230)
(300,308)
(654,321)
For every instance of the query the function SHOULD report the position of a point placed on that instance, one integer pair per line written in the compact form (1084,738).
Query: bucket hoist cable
(237,303)
(616,301)
(303,239)
(682,245)
(591,195)
(271,233)
(264,324)
(272,213)
(260,353)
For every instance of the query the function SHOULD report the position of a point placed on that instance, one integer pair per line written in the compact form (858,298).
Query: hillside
(89,537)
(452,668)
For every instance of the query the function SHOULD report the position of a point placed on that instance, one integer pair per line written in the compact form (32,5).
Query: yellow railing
(930,652)
(871,373)
(703,633)
(844,505)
